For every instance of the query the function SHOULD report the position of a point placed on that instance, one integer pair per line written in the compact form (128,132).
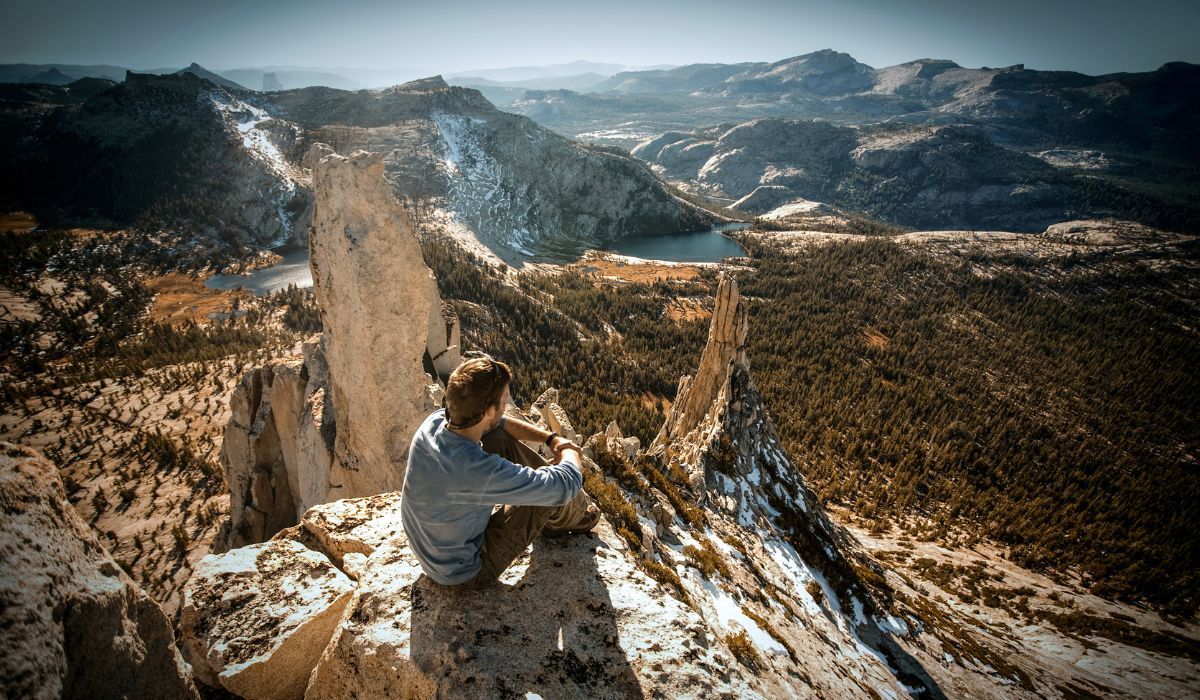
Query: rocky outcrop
(337,423)
(278,445)
(719,433)
(547,409)
(349,531)
(75,626)
(719,437)
(255,620)
(379,309)
(703,397)
(575,618)
(588,616)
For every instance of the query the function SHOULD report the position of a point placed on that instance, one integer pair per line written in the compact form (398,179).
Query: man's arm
(494,479)
(523,430)
(529,432)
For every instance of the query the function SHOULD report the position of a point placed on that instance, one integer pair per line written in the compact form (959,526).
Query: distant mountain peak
(433,82)
(201,72)
(53,76)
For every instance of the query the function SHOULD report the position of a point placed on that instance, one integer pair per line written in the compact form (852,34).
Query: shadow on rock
(552,632)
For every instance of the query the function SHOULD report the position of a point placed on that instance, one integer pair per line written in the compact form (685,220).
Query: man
(467,458)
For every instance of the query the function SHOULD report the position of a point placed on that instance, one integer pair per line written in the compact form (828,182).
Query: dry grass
(743,649)
(665,575)
(686,309)
(180,297)
(18,221)
(706,559)
(652,402)
(874,338)
(602,265)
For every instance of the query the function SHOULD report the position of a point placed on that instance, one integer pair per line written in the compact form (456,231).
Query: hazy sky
(1093,37)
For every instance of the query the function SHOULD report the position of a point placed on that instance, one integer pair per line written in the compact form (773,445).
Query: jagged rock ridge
(520,188)
(175,150)
(196,151)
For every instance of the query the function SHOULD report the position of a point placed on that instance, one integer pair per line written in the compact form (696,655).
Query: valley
(118,365)
(918,417)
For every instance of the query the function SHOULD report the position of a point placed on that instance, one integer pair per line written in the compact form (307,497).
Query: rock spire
(698,399)
(337,423)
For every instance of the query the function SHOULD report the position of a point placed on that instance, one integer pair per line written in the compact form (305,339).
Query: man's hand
(529,432)
(565,449)
(560,443)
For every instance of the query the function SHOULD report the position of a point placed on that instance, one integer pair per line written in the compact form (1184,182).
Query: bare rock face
(256,619)
(702,397)
(576,617)
(379,304)
(353,526)
(719,436)
(278,445)
(337,423)
(615,437)
(75,626)
(554,416)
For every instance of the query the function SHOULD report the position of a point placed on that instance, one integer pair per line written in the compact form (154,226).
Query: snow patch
(893,625)
(482,194)
(246,118)
(730,616)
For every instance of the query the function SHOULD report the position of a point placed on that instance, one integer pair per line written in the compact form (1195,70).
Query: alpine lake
(698,246)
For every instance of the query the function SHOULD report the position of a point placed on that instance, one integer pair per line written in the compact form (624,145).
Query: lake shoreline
(695,248)
(707,246)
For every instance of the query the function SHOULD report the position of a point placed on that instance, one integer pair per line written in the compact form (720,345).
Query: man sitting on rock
(467,458)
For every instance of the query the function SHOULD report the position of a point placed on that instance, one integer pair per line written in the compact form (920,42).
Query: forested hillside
(1036,404)
(1045,403)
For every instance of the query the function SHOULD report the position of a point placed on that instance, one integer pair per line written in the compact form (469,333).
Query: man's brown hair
(474,386)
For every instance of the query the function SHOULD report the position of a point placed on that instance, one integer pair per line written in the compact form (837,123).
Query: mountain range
(834,86)
(925,144)
(182,149)
(574,75)
(1036,146)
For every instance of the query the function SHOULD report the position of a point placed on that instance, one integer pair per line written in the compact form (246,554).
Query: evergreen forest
(1043,403)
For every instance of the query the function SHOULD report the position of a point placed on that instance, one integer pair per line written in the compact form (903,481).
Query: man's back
(450,488)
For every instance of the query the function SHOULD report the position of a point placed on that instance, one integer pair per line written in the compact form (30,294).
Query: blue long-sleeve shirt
(450,488)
